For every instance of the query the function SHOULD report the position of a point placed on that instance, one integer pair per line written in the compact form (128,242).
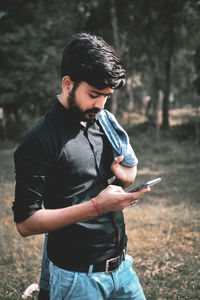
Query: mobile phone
(148,183)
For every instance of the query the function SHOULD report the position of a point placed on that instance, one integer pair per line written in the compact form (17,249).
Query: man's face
(86,101)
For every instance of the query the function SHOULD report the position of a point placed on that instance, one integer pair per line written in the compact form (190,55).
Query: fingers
(118,159)
(134,202)
(136,195)
(142,192)
(116,188)
(115,198)
(132,196)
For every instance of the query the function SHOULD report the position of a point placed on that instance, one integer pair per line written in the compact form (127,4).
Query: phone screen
(148,183)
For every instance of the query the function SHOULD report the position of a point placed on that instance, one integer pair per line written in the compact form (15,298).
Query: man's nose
(100,102)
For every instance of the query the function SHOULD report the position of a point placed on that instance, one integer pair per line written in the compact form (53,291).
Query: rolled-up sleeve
(32,170)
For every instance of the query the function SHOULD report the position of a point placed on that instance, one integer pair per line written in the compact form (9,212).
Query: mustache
(92,110)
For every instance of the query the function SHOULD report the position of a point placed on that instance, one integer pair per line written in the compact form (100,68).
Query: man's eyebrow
(99,93)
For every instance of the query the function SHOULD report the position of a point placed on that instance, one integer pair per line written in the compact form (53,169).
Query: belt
(108,266)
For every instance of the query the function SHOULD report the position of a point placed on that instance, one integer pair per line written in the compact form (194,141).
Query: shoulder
(34,137)
(37,144)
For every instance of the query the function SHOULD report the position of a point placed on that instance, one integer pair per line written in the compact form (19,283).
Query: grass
(163,227)
(19,258)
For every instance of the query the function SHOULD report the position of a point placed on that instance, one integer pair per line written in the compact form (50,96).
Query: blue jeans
(121,284)
(44,277)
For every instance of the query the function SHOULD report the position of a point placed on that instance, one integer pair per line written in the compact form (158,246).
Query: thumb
(118,159)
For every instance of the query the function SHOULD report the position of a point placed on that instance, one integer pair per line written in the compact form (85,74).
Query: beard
(87,115)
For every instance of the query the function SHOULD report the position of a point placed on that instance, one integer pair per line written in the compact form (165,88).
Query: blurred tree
(197,86)
(152,36)
(114,25)
(156,41)
(197,67)
(161,33)
(32,39)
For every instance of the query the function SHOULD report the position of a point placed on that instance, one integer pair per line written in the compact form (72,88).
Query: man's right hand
(47,220)
(115,198)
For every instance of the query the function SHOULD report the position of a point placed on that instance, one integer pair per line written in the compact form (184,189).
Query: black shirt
(60,163)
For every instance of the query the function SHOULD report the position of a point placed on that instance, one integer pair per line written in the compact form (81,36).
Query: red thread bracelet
(96,206)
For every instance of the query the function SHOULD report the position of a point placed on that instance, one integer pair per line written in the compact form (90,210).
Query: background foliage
(158,42)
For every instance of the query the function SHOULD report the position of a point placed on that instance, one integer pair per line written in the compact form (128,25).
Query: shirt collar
(63,116)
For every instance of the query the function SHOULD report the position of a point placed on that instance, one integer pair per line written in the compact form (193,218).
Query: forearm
(47,220)
(110,199)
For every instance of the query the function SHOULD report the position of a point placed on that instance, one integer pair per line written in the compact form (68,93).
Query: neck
(63,100)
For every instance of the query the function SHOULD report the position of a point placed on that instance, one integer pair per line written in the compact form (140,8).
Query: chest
(86,154)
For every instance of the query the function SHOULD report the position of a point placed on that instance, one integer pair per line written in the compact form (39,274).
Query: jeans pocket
(62,283)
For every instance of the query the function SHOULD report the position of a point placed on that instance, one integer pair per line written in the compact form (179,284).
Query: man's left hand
(126,175)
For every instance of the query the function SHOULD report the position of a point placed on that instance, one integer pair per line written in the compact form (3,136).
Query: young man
(66,163)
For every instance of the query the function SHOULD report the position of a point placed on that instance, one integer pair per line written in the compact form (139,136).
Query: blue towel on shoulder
(118,138)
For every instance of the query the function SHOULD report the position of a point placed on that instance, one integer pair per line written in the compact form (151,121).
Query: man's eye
(93,96)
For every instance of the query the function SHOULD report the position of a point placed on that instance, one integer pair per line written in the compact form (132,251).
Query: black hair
(89,58)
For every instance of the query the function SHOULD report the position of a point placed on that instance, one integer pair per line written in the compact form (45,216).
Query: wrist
(95,205)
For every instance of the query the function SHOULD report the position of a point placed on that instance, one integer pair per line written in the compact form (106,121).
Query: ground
(163,227)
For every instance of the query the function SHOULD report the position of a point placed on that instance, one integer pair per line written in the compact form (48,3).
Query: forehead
(93,89)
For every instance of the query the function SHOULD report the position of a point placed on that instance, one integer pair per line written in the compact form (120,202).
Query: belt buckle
(117,259)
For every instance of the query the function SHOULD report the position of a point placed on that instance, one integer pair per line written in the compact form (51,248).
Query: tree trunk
(197,123)
(129,89)
(157,119)
(165,112)
(114,25)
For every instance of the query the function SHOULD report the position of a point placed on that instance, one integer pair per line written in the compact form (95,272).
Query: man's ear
(67,84)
